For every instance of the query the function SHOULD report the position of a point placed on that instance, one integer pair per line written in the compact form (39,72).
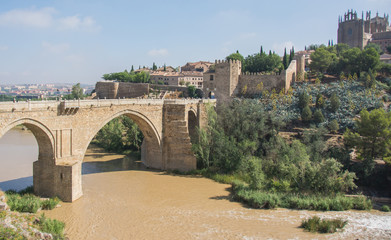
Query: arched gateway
(65,129)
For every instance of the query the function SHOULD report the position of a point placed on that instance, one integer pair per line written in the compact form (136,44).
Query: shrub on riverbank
(385,208)
(7,233)
(267,200)
(52,226)
(24,201)
(315,224)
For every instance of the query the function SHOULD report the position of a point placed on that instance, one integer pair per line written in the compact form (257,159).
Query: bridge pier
(63,181)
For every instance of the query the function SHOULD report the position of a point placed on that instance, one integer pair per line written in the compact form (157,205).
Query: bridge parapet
(75,104)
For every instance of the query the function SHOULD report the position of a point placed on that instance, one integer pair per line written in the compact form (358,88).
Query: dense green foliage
(350,98)
(315,224)
(340,58)
(52,226)
(119,135)
(385,208)
(235,56)
(10,233)
(318,202)
(244,138)
(25,201)
(125,76)
(260,62)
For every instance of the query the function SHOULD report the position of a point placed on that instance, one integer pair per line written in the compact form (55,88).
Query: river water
(123,200)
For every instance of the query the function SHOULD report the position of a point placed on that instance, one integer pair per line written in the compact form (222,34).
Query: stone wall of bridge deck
(65,129)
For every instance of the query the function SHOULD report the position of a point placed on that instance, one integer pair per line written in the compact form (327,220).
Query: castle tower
(222,82)
(351,30)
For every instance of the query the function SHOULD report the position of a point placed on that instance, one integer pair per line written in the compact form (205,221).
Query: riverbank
(16,225)
(124,200)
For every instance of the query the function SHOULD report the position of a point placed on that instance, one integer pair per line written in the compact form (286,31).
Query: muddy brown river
(124,200)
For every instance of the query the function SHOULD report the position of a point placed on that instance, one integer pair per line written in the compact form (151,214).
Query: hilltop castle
(358,32)
(226,80)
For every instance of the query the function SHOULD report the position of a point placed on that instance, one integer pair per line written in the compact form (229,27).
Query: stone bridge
(64,130)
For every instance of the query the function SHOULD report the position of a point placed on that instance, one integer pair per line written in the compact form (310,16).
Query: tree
(321,59)
(192,91)
(235,56)
(374,46)
(77,91)
(350,61)
(154,67)
(306,114)
(333,126)
(389,49)
(334,102)
(373,136)
(319,101)
(304,100)
(285,60)
(164,67)
(370,59)
(132,69)
(318,116)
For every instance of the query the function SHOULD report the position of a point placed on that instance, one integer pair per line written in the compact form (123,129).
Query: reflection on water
(116,162)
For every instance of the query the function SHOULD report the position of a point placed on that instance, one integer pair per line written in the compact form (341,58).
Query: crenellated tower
(357,32)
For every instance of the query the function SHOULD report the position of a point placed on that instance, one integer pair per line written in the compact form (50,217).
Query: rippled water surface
(123,200)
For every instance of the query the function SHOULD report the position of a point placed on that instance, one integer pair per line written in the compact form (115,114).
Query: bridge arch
(151,149)
(42,176)
(42,134)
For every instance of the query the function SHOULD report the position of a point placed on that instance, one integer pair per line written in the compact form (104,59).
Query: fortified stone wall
(290,74)
(227,80)
(114,90)
(254,83)
(132,90)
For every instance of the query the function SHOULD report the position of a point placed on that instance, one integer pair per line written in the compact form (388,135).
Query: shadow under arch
(42,176)
(192,124)
(151,149)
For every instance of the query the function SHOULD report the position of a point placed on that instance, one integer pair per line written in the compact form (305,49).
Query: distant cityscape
(40,91)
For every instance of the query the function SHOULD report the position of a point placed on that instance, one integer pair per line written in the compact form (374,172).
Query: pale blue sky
(72,41)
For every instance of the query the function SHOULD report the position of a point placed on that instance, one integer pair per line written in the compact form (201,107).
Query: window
(211,77)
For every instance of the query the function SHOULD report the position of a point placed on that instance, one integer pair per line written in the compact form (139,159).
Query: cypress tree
(261,50)
(132,70)
(270,52)
(306,114)
(284,60)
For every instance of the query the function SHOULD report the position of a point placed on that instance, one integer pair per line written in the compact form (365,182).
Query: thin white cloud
(55,48)
(39,18)
(279,47)
(158,52)
(3,48)
(78,23)
(45,18)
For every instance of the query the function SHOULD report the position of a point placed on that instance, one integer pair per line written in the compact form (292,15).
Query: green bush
(385,208)
(53,226)
(315,224)
(26,203)
(306,114)
(318,116)
(3,214)
(267,200)
(49,204)
(9,233)
(362,203)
